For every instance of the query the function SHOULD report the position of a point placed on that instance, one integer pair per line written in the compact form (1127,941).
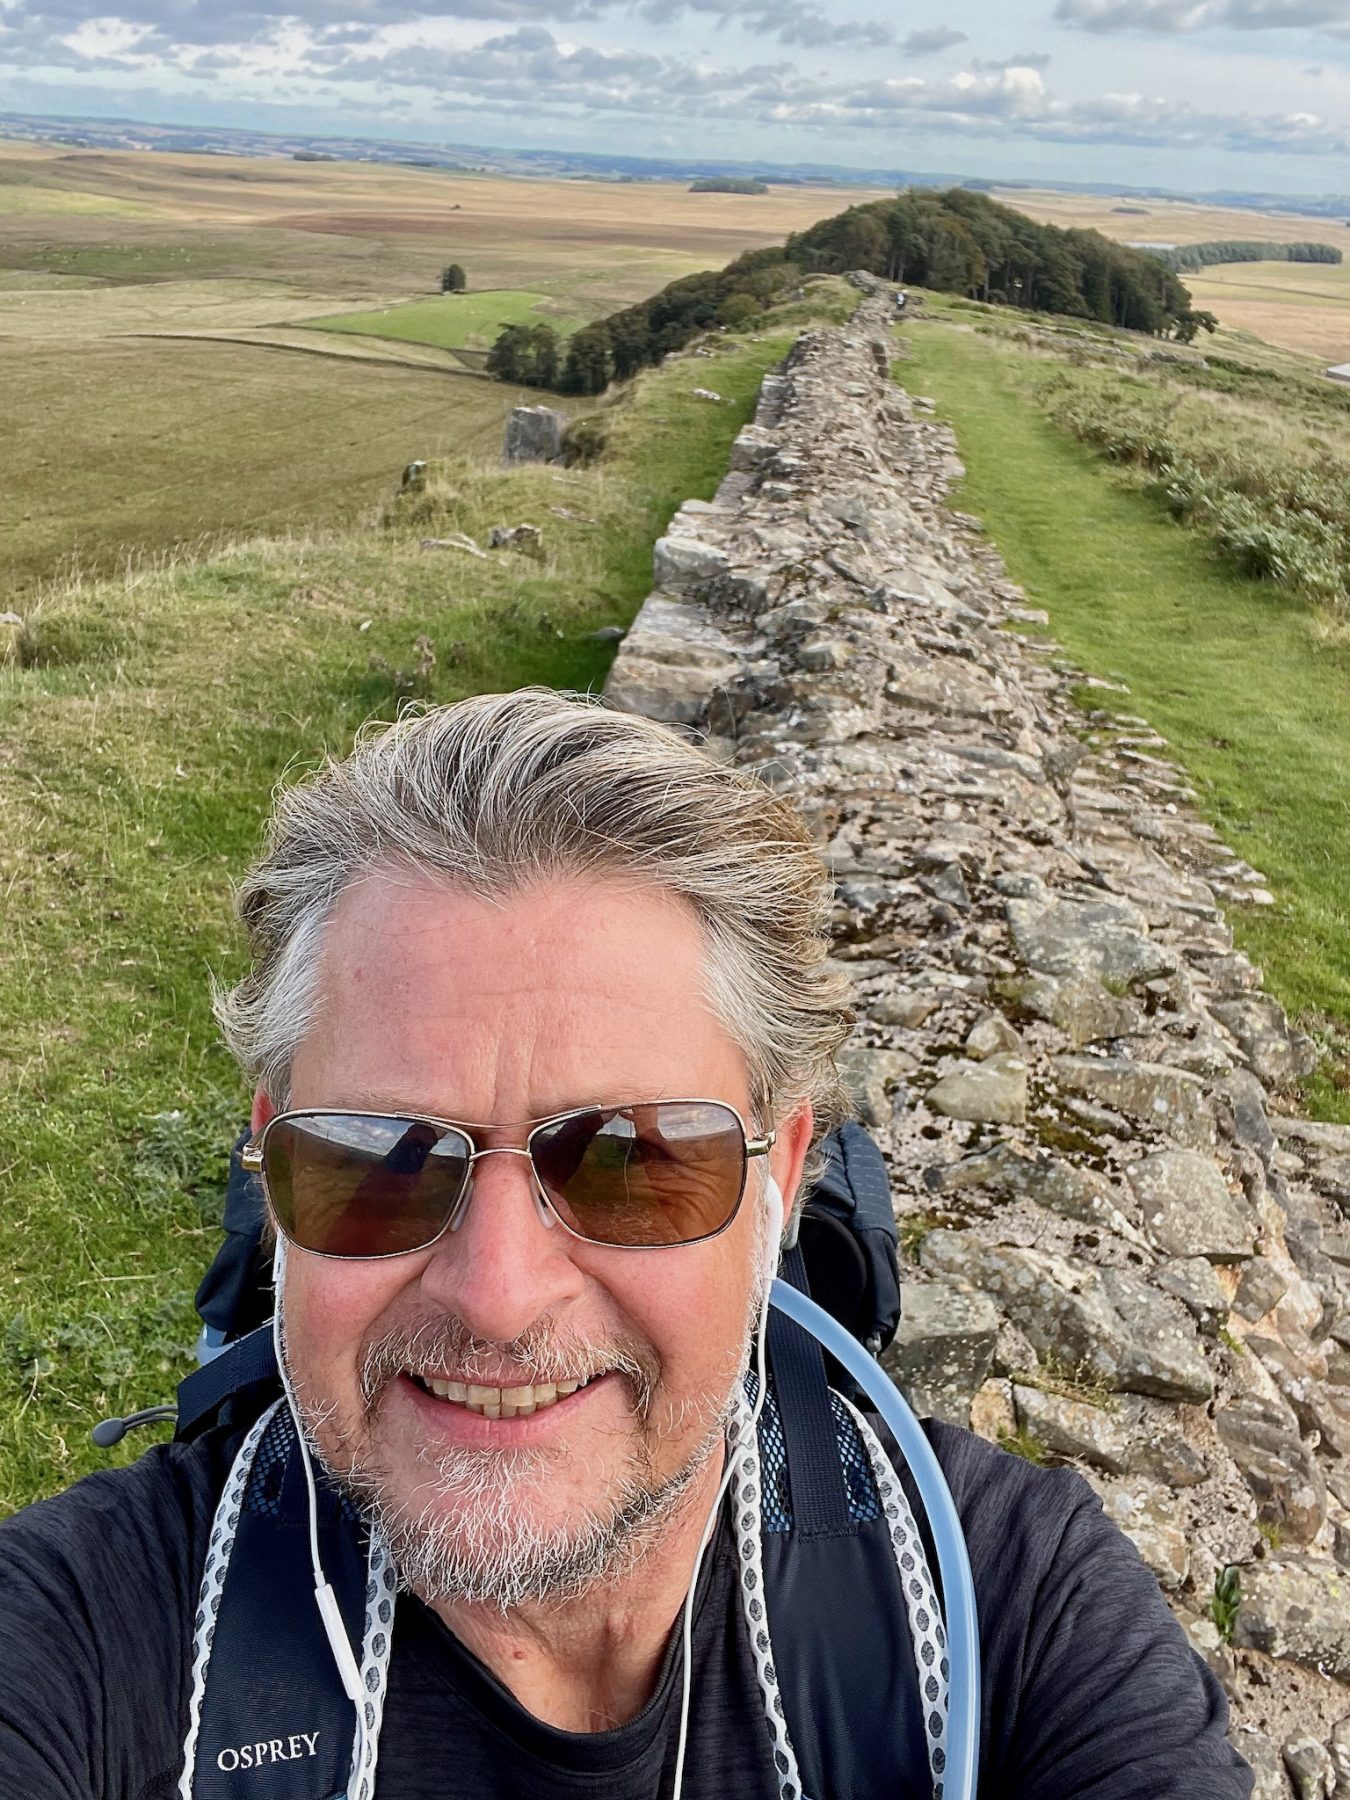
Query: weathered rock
(992,1415)
(1263,1440)
(1297,1607)
(836,628)
(1104,1323)
(993,1092)
(1266,1763)
(1339,1746)
(872,1079)
(1195,1284)
(1264,1284)
(1168,1100)
(1278,1055)
(515,537)
(1104,938)
(1082,1008)
(1150,1518)
(992,1034)
(904,1009)
(534,434)
(1074,1429)
(942,1352)
(1187,1208)
(1310,1768)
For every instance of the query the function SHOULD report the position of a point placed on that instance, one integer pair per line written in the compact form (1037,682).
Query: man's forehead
(558,997)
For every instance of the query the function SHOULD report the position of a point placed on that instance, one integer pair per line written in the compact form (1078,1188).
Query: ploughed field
(197,345)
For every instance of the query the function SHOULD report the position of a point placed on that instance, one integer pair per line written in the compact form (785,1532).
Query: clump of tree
(728,184)
(453,279)
(963,242)
(526,356)
(960,242)
(1185,259)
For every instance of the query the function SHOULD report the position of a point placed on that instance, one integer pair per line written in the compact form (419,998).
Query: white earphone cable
(774,1198)
(334,1626)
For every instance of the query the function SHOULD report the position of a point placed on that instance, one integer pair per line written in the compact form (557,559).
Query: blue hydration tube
(958,1587)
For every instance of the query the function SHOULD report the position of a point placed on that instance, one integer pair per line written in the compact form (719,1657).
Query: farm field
(317,354)
(1300,306)
(456,321)
(136,446)
(1303,306)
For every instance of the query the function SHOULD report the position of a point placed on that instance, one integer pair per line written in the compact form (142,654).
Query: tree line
(956,241)
(1185,259)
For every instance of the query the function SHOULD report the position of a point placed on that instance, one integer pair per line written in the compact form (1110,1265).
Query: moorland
(264,341)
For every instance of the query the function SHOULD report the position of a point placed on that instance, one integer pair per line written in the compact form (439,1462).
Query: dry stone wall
(1120,1251)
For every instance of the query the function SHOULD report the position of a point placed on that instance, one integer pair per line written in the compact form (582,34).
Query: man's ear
(263,1110)
(788,1156)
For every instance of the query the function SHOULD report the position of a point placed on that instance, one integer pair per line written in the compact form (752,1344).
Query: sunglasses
(642,1177)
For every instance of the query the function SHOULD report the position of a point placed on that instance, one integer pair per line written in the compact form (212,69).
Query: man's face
(565,996)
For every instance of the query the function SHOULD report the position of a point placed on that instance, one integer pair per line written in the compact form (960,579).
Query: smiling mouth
(499,1402)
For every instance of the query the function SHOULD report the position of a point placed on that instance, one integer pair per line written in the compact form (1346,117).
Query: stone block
(993,1092)
(1187,1208)
(1297,1607)
(534,434)
(1169,1100)
(942,1352)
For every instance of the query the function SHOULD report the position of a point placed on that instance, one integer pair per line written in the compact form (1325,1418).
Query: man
(540,1021)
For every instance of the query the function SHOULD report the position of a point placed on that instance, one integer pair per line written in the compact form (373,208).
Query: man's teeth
(501,1403)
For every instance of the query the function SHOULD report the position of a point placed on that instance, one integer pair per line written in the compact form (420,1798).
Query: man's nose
(503,1268)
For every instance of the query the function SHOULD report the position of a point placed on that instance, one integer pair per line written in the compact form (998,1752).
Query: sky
(1189,94)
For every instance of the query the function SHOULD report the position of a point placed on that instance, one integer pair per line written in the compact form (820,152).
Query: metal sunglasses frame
(252,1160)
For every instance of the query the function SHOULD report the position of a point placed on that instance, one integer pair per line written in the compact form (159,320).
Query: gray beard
(467,1534)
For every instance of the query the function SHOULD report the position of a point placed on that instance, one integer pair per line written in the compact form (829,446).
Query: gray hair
(500,792)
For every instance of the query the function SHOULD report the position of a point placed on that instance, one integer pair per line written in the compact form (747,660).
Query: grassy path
(1250,687)
(138,748)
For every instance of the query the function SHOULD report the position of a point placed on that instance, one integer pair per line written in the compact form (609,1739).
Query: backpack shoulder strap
(848,1637)
(243,1376)
(267,1710)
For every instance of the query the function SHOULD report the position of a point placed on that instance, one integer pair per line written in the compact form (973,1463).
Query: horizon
(1244,95)
(671,167)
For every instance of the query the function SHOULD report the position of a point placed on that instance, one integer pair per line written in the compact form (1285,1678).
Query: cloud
(928,43)
(1329,16)
(1028,59)
(230,21)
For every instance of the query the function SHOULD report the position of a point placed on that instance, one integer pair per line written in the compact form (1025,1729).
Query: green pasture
(128,447)
(1250,684)
(456,321)
(144,721)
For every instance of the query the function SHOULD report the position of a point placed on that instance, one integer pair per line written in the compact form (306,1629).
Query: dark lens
(353,1184)
(666,1172)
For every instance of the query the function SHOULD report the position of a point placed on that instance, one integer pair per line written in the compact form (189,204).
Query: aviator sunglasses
(642,1177)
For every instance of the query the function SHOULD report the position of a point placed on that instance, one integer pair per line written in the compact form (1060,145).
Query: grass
(455,321)
(140,445)
(1249,687)
(138,748)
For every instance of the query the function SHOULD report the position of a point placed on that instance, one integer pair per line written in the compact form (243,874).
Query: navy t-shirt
(1090,1691)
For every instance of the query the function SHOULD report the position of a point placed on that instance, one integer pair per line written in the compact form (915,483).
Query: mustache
(444,1346)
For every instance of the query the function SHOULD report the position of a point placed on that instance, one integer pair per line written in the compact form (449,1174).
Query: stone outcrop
(534,434)
(1122,1253)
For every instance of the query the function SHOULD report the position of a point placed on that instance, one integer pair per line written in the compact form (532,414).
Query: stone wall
(1120,1252)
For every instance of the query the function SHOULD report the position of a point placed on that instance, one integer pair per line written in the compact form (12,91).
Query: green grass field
(1250,686)
(456,321)
(141,732)
(151,444)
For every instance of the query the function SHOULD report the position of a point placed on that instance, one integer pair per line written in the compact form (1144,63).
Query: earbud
(773,1196)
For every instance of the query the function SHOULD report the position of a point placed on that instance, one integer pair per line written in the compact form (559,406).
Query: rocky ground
(1119,1252)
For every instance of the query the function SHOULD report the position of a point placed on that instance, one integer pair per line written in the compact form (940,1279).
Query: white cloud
(1330,16)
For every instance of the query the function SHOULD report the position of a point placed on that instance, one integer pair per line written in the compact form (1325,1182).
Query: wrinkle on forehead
(513,1008)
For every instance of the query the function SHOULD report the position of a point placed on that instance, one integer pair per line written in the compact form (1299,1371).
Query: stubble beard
(474,1527)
